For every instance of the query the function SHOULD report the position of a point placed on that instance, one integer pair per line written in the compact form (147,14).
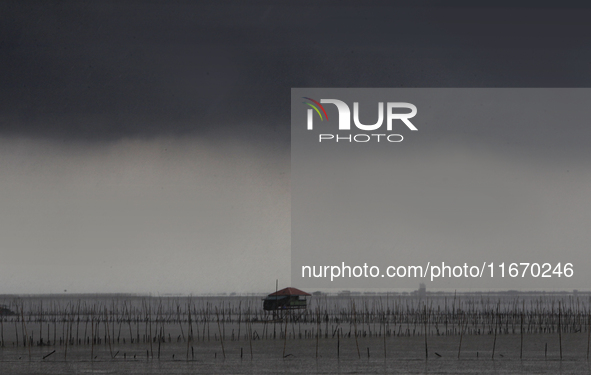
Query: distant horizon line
(341,293)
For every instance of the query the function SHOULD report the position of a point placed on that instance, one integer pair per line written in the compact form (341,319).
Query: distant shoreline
(342,293)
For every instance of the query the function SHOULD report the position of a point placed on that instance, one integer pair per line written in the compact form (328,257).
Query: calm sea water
(403,351)
(404,355)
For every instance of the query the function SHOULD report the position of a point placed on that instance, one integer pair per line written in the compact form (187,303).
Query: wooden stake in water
(521,348)
(239,320)
(560,328)
(66,340)
(28,342)
(160,340)
(496,326)
(546,351)
(108,332)
(40,324)
(355,327)
(150,320)
(275,311)
(78,324)
(285,333)
(317,328)
(92,335)
(250,335)
(189,338)
(16,328)
(462,327)
(2,330)
(220,331)
(385,351)
(426,347)
(338,343)
(588,333)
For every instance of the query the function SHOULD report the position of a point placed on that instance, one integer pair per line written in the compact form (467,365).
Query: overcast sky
(144,146)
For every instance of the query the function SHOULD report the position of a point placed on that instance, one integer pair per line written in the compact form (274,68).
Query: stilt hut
(286,299)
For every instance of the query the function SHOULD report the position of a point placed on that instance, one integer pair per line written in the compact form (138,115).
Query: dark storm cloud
(106,70)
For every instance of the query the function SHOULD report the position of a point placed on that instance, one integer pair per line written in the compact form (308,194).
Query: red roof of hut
(289,292)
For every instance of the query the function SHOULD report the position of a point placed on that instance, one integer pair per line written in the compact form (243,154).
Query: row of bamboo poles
(157,321)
